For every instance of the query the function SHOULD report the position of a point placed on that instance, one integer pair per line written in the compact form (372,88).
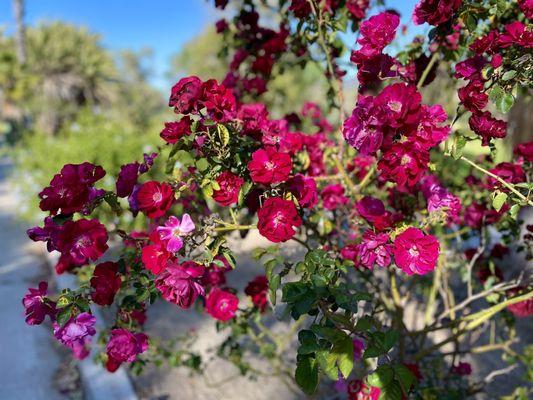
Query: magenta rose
(180,283)
(37,305)
(277,219)
(155,198)
(333,196)
(185,95)
(106,283)
(269,166)
(257,289)
(230,184)
(79,242)
(304,189)
(123,346)
(415,252)
(221,304)
(76,334)
(435,12)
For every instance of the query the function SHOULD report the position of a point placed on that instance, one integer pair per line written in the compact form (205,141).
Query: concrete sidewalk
(28,357)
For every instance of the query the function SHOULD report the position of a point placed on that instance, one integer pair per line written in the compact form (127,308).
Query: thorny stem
(328,178)
(472,262)
(231,227)
(426,72)
(337,87)
(349,183)
(500,180)
(467,301)
(433,290)
(472,321)
(367,178)
(323,45)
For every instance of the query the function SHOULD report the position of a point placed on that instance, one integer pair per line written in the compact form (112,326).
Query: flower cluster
(397,211)
(404,130)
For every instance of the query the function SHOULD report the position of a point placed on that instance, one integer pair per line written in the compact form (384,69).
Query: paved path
(28,356)
(166,321)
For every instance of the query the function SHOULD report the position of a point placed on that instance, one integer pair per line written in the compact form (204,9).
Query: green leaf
(245,188)
(380,343)
(258,252)
(505,103)
(185,158)
(327,362)
(344,352)
(308,342)
(404,376)
(471,23)
(202,164)
(382,376)
(513,212)
(331,334)
(391,337)
(294,291)
(64,315)
(273,285)
(459,142)
(499,200)
(509,75)
(393,391)
(496,94)
(363,324)
(306,374)
(223,134)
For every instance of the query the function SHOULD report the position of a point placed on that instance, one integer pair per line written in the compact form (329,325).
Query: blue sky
(162,25)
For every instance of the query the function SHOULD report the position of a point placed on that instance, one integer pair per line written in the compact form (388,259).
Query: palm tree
(20,35)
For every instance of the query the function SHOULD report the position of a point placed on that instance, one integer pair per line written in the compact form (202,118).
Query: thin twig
(504,371)
(500,180)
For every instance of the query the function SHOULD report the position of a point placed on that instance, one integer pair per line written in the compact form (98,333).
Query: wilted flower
(374,249)
(37,305)
(185,95)
(127,179)
(304,189)
(257,289)
(180,283)
(333,196)
(488,127)
(76,333)
(71,189)
(174,131)
(462,368)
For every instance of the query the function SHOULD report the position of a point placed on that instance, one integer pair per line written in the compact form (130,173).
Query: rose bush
(391,213)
